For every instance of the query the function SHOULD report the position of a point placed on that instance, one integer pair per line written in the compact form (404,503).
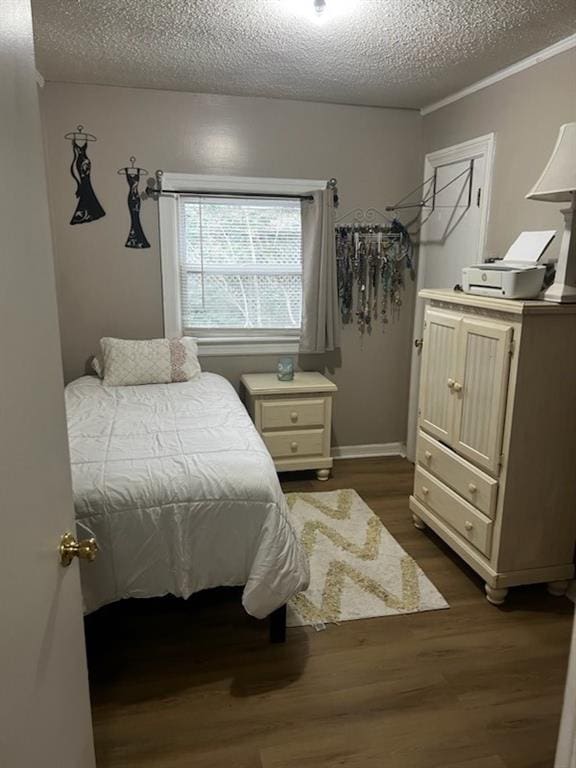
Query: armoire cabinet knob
(457,387)
(451,383)
(468,525)
(472,488)
(427,455)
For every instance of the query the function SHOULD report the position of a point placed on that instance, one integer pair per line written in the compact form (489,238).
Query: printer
(519,275)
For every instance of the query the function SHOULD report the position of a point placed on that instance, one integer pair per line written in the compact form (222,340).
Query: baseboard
(368,451)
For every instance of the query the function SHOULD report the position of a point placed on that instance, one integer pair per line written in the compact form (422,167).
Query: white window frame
(236,343)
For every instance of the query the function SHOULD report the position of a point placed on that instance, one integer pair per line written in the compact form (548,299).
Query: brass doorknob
(86,549)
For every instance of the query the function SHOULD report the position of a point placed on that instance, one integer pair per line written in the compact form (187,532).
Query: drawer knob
(294,416)
(427,455)
(451,383)
(294,446)
(468,525)
(425,490)
(472,488)
(457,387)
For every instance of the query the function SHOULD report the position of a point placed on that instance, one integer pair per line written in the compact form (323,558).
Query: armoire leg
(323,474)
(418,523)
(495,596)
(558,588)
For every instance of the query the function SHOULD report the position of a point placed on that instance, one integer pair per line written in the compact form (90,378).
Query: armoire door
(480,389)
(439,367)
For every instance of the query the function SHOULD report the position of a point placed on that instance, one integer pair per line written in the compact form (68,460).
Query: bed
(181,494)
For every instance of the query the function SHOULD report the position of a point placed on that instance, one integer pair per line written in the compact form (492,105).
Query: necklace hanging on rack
(371,261)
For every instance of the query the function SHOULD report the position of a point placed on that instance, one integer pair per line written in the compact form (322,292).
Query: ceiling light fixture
(319,12)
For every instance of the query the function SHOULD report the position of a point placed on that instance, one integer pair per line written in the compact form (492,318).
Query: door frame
(481,146)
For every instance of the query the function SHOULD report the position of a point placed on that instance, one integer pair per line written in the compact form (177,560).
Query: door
(438,371)
(479,391)
(44,702)
(452,235)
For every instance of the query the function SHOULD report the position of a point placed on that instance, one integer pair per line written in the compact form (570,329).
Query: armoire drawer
(471,483)
(278,414)
(467,521)
(294,444)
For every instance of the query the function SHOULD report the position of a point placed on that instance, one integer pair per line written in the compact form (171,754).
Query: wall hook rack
(363,217)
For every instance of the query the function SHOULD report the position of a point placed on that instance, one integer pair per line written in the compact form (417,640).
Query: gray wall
(107,289)
(376,154)
(525,111)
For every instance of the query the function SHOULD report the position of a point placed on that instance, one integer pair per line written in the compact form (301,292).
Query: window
(232,265)
(240,265)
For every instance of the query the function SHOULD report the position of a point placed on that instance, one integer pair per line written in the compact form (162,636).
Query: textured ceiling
(403,53)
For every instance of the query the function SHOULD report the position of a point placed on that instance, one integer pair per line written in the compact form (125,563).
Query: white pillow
(96,366)
(154,361)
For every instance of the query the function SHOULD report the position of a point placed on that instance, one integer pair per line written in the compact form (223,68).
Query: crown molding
(536,58)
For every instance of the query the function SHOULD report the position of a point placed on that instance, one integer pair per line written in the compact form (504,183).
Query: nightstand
(294,419)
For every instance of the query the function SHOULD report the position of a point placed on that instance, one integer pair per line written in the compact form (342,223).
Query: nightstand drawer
(472,484)
(468,522)
(295,443)
(278,414)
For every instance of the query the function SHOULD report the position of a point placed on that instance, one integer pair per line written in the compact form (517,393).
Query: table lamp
(557,184)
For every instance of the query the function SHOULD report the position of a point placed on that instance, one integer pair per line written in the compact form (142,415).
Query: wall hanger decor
(371,261)
(136,236)
(88,207)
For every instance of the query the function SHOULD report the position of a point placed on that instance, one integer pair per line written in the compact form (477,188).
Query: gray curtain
(320,311)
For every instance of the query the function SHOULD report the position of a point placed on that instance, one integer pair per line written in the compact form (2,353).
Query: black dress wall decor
(88,207)
(136,236)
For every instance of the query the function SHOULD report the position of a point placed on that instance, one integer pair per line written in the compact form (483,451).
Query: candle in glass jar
(285,369)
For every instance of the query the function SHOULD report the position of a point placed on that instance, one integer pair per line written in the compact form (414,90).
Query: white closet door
(480,389)
(439,366)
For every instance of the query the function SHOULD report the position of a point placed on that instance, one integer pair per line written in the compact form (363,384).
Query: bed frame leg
(278,625)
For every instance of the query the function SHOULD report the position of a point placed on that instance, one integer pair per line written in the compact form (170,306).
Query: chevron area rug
(357,569)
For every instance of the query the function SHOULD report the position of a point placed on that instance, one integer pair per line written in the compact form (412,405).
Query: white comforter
(179,490)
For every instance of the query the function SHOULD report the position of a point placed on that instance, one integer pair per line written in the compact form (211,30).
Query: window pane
(242,301)
(240,263)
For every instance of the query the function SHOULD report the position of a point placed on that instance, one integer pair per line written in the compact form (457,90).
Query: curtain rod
(263,195)
(155,190)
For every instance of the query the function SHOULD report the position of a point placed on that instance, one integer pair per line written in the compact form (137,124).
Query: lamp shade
(558,180)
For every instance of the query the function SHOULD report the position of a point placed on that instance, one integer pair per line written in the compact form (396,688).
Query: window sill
(211,347)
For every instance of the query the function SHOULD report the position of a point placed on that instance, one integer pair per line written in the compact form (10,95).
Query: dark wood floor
(178,684)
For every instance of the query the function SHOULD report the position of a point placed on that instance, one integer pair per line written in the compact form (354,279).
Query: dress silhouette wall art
(87,208)
(136,236)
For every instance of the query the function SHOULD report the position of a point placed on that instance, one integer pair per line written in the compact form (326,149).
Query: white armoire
(495,473)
